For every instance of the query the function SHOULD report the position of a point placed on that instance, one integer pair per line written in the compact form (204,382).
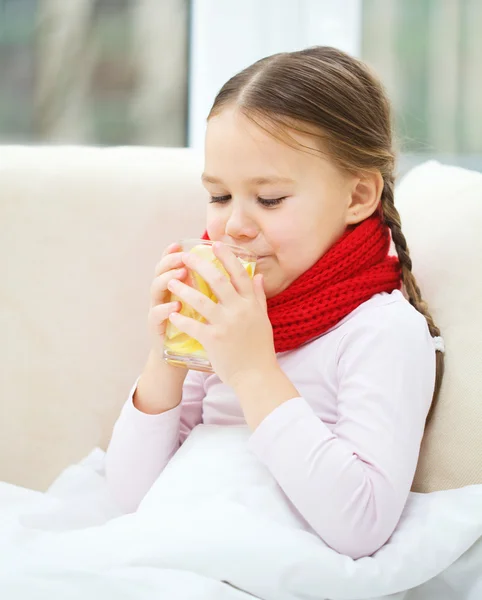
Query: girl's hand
(238,336)
(160,385)
(170,267)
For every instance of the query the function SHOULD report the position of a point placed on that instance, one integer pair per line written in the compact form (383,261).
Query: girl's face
(286,205)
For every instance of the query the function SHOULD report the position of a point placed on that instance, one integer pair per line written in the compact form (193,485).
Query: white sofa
(80,232)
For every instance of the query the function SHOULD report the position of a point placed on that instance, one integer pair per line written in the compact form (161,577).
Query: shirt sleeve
(141,445)
(350,482)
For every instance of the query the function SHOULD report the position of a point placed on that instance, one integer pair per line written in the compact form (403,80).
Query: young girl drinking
(330,365)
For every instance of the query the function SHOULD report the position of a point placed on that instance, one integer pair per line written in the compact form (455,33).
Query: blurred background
(145,72)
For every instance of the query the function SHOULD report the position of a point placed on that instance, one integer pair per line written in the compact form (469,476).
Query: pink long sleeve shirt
(344,452)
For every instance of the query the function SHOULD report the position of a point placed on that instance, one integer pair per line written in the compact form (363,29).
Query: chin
(273,285)
(271,289)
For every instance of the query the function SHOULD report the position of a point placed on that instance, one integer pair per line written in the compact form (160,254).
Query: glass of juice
(181,350)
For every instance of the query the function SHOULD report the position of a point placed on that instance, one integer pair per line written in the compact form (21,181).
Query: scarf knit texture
(353,270)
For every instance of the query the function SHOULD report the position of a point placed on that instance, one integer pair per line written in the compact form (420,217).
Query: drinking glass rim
(240,249)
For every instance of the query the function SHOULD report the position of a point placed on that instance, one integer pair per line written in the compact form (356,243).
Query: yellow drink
(179,349)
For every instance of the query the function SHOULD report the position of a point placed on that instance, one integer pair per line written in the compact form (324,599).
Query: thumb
(259,291)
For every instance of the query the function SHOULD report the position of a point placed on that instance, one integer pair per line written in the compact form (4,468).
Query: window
(96,71)
(428,53)
(118,71)
(429,56)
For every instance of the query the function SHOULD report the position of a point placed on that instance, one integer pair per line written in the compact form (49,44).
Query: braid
(393,221)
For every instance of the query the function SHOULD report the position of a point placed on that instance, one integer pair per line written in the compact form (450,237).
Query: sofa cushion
(81,230)
(441,210)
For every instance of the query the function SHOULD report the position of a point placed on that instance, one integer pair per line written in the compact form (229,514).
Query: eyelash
(266,202)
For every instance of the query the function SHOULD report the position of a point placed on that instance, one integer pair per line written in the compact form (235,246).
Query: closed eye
(220,199)
(267,202)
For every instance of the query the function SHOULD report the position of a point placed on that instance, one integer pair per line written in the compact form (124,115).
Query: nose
(240,224)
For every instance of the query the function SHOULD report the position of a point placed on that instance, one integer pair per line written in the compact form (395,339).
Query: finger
(175,247)
(240,279)
(170,261)
(214,277)
(258,284)
(195,299)
(191,327)
(159,284)
(159,314)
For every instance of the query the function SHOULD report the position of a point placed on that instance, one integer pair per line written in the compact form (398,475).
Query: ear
(365,197)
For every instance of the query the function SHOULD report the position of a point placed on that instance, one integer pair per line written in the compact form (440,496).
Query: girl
(328,363)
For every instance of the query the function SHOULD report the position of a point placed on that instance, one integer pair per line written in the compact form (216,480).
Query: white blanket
(216,526)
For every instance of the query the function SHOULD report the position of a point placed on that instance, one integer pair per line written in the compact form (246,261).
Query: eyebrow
(254,180)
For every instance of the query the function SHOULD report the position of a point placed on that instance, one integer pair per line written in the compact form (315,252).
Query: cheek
(215,224)
(287,233)
(301,243)
(288,245)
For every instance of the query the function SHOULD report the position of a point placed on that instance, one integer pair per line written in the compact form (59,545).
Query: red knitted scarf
(354,269)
